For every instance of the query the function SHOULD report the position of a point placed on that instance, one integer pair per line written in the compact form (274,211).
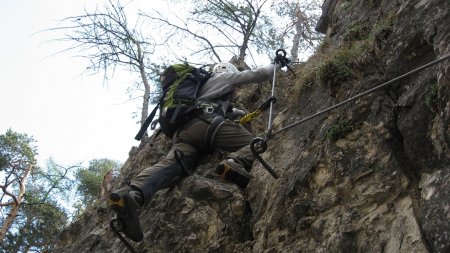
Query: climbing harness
(212,129)
(116,226)
(259,144)
(179,155)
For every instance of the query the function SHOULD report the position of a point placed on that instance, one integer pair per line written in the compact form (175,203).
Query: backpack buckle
(208,109)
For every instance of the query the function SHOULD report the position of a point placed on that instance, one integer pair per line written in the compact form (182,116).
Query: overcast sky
(73,118)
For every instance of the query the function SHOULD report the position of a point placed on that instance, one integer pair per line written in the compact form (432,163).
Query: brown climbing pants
(191,139)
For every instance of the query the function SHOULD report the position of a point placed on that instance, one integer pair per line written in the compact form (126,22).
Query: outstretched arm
(224,83)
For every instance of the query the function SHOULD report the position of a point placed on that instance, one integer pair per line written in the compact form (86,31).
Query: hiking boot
(125,203)
(234,172)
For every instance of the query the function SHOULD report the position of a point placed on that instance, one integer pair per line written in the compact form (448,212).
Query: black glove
(285,62)
(281,58)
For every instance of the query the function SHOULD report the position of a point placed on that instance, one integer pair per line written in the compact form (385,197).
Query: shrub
(339,130)
(431,97)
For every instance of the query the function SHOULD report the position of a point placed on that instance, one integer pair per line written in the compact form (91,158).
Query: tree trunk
(16,204)
(247,34)
(243,49)
(298,34)
(146,98)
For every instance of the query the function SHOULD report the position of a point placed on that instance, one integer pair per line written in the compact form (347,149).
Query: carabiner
(259,146)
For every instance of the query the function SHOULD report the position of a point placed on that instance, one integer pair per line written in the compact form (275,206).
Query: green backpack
(178,103)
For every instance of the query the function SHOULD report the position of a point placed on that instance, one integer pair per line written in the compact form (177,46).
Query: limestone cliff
(370,176)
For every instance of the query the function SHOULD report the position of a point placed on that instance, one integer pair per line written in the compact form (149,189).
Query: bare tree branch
(105,38)
(186,30)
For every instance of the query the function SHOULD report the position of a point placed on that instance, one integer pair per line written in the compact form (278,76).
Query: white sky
(73,118)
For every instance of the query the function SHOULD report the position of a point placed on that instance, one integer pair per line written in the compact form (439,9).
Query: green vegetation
(334,71)
(91,178)
(339,130)
(337,62)
(38,225)
(34,200)
(431,96)
(16,150)
(356,33)
(30,217)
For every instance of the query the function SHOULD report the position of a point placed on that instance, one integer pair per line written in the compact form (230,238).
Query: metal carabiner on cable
(259,146)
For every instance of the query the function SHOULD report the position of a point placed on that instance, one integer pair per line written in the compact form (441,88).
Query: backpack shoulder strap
(147,123)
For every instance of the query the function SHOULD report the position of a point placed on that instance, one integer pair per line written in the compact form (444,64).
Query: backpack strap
(147,122)
(199,80)
(175,114)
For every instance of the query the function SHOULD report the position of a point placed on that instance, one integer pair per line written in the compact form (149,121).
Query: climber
(201,134)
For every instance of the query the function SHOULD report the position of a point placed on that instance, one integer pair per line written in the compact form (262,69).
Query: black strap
(147,122)
(158,132)
(179,155)
(175,114)
(197,85)
(211,131)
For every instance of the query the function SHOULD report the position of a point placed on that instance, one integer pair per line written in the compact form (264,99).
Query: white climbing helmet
(222,67)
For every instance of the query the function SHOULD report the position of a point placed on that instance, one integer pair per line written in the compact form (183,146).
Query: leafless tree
(215,25)
(298,19)
(106,38)
(212,28)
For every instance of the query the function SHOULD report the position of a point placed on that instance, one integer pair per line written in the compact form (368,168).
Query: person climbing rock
(204,133)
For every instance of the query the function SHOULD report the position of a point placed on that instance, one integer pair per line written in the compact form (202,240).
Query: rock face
(370,176)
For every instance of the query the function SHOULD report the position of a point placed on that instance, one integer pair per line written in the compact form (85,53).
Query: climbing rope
(259,145)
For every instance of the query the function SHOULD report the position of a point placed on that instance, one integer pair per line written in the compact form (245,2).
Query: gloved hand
(234,113)
(281,59)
